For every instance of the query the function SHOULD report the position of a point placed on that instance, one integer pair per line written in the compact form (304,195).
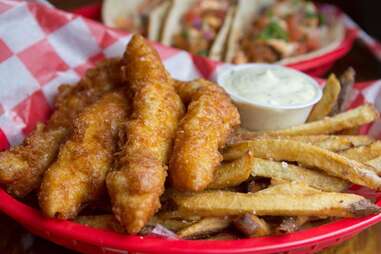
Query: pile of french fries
(280,181)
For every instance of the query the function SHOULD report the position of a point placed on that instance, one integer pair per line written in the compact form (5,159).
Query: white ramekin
(259,117)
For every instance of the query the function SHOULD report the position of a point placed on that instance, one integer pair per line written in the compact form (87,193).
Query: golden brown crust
(136,187)
(210,119)
(21,167)
(79,173)
(35,155)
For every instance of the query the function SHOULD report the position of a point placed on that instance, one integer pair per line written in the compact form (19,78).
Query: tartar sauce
(270,87)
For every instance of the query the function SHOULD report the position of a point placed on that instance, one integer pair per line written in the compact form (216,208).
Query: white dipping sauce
(271,87)
(269,97)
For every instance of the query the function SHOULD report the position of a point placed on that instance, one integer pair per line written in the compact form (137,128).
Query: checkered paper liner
(42,47)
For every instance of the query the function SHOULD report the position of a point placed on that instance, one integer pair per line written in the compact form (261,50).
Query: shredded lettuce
(203,52)
(273,31)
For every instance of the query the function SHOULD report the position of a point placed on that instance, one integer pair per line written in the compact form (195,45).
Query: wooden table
(16,240)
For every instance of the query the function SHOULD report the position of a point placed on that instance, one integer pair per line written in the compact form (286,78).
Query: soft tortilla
(172,26)
(247,9)
(113,9)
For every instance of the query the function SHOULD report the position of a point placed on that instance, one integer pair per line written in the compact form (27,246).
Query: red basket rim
(344,47)
(34,220)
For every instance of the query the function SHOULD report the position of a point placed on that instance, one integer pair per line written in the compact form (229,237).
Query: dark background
(365,13)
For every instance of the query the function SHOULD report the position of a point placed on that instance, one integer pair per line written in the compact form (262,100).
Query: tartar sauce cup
(269,97)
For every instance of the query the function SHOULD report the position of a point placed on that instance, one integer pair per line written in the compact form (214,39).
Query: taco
(136,16)
(282,31)
(199,26)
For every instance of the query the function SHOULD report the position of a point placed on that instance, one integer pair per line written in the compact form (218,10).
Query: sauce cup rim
(227,69)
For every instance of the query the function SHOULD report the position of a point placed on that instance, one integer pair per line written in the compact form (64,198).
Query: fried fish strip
(315,157)
(224,203)
(364,153)
(327,103)
(210,119)
(78,175)
(22,167)
(136,187)
(186,89)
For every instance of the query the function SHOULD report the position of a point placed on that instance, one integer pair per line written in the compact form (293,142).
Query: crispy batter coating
(97,81)
(78,175)
(209,121)
(22,167)
(136,187)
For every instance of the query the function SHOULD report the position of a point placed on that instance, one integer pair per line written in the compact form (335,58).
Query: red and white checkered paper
(42,47)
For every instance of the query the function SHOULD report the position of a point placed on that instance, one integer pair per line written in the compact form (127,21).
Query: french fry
(334,143)
(255,186)
(364,153)
(376,164)
(289,172)
(314,157)
(347,80)
(292,224)
(252,226)
(233,173)
(177,215)
(351,131)
(171,224)
(204,227)
(292,188)
(223,203)
(223,236)
(353,118)
(277,181)
(106,222)
(326,104)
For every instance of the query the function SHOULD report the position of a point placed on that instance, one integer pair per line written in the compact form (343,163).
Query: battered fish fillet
(78,175)
(136,187)
(22,167)
(210,119)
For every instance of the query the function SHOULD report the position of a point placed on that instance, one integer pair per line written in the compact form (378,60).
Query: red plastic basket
(93,241)
(316,66)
